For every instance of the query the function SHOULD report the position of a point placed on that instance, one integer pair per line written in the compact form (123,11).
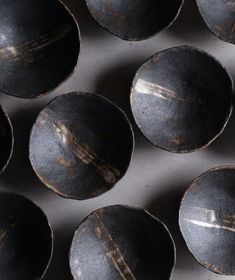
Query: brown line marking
(221,30)
(4,232)
(114,253)
(163,92)
(64,162)
(232,31)
(32,46)
(86,154)
(212,267)
(211,219)
(68,164)
(81,232)
(43,117)
(232,5)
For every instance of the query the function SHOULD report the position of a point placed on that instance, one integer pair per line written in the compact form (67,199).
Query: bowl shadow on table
(88,26)
(115,84)
(189,23)
(166,207)
(59,266)
(19,175)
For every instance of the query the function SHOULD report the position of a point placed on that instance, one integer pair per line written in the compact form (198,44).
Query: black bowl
(207,219)
(81,145)
(120,242)
(181,99)
(6,140)
(39,46)
(26,239)
(219,17)
(134,20)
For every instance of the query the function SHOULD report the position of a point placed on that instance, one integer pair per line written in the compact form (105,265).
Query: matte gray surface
(156,179)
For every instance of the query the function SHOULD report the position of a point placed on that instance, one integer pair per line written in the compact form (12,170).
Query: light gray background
(156,179)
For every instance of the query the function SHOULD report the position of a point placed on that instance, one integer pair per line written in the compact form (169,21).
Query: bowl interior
(26,239)
(134,20)
(81,145)
(219,17)
(181,99)
(121,242)
(39,46)
(207,220)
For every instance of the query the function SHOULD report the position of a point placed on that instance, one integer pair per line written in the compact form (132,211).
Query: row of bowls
(81,144)
(40,39)
(122,242)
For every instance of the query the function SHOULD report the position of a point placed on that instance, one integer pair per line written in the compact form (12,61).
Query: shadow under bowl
(39,46)
(26,239)
(81,145)
(181,99)
(207,219)
(134,20)
(121,242)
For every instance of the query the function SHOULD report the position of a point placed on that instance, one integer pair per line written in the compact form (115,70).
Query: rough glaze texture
(120,242)
(81,145)
(219,15)
(6,140)
(134,20)
(207,220)
(39,46)
(25,239)
(181,99)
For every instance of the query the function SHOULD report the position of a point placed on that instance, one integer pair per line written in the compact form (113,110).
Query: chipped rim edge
(140,38)
(229,113)
(48,224)
(51,187)
(12,140)
(212,31)
(124,206)
(191,186)
(70,73)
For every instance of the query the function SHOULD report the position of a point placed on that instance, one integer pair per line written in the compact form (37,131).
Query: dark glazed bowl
(219,17)
(39,46)
(26,239)
(134,20)
(6,140)
(207,219)
(81,145)
(181,99)
(120,242)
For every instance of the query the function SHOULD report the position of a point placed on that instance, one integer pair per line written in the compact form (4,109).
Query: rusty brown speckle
(178,141)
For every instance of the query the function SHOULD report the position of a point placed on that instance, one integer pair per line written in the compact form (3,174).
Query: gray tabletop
(156,179)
